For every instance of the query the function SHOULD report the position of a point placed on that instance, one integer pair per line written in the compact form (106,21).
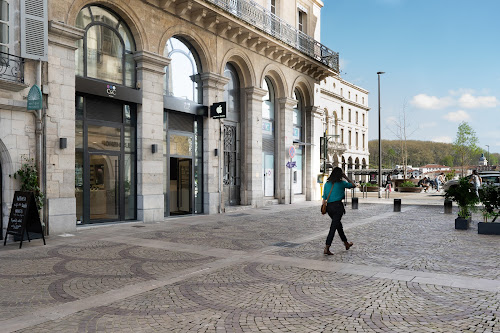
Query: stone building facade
(132,88)
(346,109)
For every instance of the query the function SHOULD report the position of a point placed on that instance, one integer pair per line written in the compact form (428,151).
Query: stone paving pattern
(414,240)
(226,273)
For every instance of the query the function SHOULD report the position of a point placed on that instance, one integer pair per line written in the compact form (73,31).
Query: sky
(441,60)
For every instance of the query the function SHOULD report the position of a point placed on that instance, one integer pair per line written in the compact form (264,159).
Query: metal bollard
(354,203)
(397,205)
(448,206)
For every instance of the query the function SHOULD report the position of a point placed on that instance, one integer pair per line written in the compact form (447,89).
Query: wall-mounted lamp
(63,143)
(154,148)
(216,152)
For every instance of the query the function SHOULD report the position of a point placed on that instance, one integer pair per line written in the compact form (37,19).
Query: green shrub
(407,184)
(28,176)
(369,184)
(464,195)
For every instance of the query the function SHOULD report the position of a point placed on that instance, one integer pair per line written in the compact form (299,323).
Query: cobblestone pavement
(259,270)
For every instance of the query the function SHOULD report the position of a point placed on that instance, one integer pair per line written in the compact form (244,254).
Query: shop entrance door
(268,178)
(104,195)
(181,194)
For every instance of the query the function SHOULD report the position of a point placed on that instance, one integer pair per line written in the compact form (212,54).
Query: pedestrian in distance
(388,183)
(476,181)
(333,193)
(440,179)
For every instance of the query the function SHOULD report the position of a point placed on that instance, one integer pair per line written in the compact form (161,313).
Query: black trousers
(335,210)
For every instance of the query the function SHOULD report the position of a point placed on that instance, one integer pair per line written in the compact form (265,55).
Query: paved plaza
(260,270)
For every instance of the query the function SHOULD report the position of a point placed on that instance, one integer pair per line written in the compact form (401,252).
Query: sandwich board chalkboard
(23,217)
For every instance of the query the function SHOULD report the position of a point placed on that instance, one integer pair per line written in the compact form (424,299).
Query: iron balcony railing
(11,67)
(266,21)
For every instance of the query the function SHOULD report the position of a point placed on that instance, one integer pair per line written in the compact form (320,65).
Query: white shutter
(34,29)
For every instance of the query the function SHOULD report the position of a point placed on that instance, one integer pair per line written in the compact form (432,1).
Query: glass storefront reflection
(104,193)
(104,138)
(181,145)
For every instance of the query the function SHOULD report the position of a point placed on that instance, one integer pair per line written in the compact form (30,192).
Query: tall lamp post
(379,140)
(488,159)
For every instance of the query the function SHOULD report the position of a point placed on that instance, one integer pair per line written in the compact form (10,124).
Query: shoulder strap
(330,192)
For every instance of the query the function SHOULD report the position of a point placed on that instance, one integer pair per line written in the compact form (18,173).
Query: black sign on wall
(218,110)
(23,217)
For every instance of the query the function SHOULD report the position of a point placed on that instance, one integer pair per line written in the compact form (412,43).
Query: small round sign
(291,151)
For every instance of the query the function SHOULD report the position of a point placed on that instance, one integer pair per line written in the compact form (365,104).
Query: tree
(465,145)
(402,131)
(448,160)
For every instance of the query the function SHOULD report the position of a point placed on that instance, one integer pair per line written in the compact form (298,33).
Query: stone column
(60,123)
(314,117)
(150,74)
(251,127)
(284,134)
(213,91)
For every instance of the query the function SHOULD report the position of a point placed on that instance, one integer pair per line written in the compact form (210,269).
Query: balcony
(11,72)
(264,20)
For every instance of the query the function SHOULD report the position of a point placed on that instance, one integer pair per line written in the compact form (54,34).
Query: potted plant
(369,187)
(465,197)
(28,175)
(409,186)
(490,197)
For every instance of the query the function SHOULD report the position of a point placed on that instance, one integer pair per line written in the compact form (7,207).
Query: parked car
(488,177)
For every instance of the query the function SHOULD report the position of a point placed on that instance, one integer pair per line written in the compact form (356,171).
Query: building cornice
(343,99)
(349,84)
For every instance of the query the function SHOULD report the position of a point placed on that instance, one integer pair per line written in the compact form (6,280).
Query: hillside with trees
(419,153)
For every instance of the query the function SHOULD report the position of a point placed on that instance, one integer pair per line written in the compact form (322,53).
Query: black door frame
(86,184)
(121,161)
(169,168)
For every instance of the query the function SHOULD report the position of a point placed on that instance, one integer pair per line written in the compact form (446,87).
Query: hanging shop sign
(218,110)
(35,101)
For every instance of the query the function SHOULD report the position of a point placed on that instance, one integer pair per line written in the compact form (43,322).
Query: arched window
(298,134)
(297,116)
(268,138)
(181,79)
(232,92)
(106,50)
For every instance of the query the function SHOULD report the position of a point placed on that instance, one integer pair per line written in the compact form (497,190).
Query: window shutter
(34,29)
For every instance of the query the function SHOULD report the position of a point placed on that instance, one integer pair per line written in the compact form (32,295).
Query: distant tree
(448,160)
(493,159)
(391,154)
(465,145)
(402,130)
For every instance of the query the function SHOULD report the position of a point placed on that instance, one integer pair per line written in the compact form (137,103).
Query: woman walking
(333,193)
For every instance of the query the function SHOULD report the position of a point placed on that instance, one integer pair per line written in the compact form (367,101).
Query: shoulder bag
(323,205)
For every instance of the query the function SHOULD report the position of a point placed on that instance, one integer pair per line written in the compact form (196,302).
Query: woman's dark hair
(336,175)
(474,172)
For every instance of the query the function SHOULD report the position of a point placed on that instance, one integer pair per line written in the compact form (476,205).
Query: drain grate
(138,226)
(238,215)
(286,244)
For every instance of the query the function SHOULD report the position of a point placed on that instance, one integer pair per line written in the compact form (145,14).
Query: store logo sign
(218,110)
(111,90)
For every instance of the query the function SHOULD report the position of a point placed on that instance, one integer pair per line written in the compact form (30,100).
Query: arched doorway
(183,130)
(232,156)
(105,126)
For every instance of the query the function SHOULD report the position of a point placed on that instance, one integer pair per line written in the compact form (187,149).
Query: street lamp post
(488,159)
(379,140)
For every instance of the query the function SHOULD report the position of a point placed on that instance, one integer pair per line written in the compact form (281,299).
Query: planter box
(370,189)
(410,189)
(492,228)
(461,223)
